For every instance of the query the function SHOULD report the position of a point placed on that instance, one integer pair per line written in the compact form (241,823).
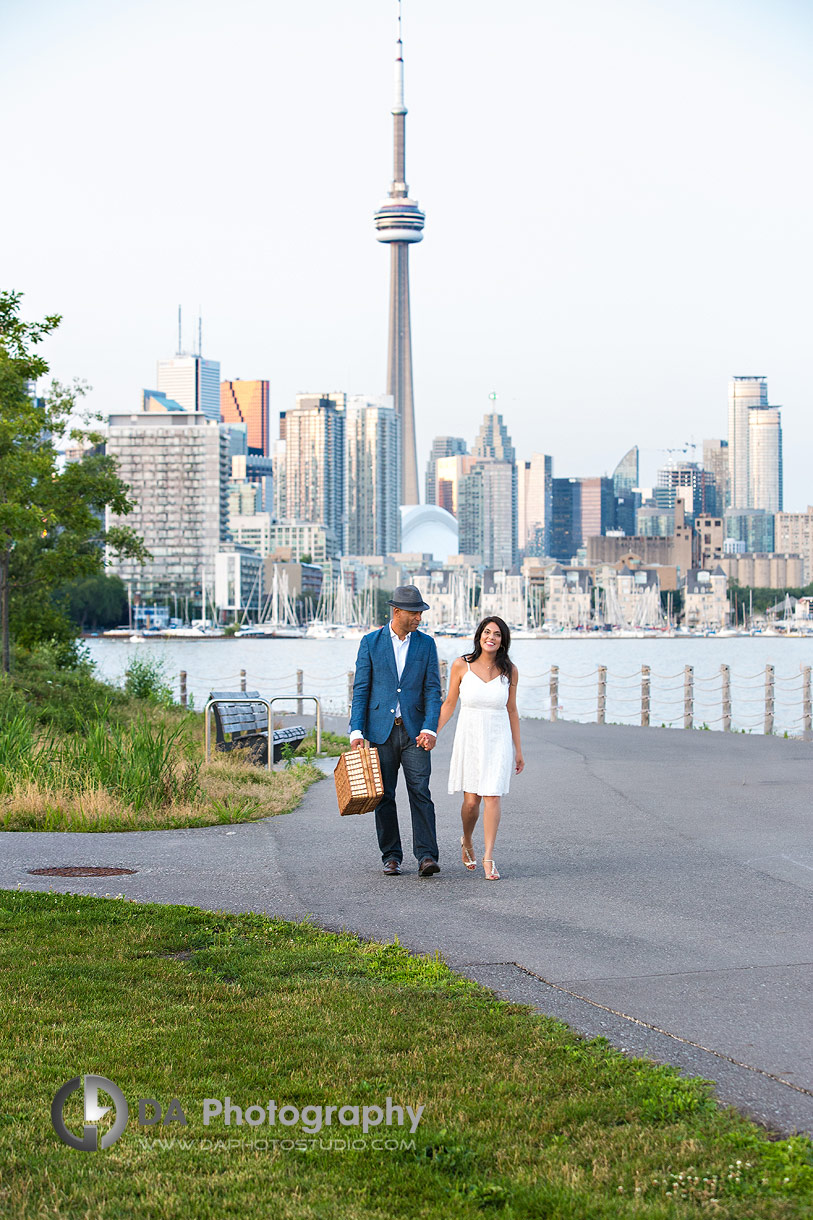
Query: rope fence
(598,696)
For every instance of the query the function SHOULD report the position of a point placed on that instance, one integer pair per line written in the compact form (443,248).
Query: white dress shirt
(400,648)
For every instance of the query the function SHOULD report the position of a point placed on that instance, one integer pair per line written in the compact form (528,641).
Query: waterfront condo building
(177,468)
(246,402)
(372,476)
(765,459)
(743,393)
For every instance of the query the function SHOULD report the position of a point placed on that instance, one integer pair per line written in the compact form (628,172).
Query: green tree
(51,518)
(95,601)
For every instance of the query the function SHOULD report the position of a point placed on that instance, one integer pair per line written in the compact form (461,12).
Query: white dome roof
(428,528)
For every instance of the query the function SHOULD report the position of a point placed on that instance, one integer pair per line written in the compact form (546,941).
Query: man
(396,704)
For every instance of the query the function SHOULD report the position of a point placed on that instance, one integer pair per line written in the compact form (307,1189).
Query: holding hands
(425,741)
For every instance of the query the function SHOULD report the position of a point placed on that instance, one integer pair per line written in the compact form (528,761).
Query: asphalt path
(656,890)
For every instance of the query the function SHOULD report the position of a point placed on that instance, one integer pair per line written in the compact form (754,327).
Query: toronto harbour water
(271,666)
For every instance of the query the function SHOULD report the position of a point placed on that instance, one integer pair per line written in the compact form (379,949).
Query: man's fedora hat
(407,597)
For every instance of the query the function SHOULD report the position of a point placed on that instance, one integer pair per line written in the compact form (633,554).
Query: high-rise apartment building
(485,512)
(442,447)
(372,477)
(314,461)
(754,527)
(765,458)
(534,504)
(716,465)
(399,222)
(494,442)
(194,383)
(246,402)
(743,393)
(177,468)
(794,536)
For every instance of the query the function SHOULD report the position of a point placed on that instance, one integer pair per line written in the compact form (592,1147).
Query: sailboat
(278,620)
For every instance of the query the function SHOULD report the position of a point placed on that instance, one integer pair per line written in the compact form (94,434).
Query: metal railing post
(807,711)
(645,685)
(183,688)
(243,681)
(444,678)
(554,692)
(350,679)
(769,698)
(725,675)
(299,689)
(688,696)
(601,710)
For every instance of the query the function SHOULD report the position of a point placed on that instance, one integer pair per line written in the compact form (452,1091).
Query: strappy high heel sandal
(491,873)
(467,860)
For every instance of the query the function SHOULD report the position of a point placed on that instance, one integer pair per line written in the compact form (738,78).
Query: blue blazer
(377,691)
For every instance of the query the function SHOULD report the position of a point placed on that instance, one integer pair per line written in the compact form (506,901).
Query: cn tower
(399,221)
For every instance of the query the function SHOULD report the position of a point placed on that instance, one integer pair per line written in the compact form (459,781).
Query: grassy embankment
(78,754)
(522,1118)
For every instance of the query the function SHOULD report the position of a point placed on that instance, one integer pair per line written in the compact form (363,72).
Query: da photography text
(216,1112)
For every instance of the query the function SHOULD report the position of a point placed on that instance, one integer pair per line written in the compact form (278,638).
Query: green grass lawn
(521,1118)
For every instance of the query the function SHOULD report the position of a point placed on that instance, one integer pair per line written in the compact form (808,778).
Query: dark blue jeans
(400,750)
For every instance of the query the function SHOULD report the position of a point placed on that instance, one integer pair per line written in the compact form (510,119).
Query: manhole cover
(80,870)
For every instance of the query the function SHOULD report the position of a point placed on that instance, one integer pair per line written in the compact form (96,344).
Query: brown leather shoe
(428,867)
(391,868)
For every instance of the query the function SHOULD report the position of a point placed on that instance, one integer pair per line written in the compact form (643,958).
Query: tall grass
(143,765)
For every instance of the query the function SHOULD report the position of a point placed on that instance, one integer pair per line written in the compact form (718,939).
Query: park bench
(243,725)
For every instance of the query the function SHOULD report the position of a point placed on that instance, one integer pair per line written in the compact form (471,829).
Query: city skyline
(662,258)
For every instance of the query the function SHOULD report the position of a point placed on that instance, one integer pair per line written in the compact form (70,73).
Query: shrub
(147,678)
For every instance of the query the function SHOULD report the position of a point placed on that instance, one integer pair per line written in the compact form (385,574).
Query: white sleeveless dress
(483,750)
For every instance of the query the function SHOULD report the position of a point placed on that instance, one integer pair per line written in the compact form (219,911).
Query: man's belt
(399,720)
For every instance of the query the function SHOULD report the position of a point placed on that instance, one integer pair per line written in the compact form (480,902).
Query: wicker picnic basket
(359,787)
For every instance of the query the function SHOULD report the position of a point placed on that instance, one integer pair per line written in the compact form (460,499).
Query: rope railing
(732,700)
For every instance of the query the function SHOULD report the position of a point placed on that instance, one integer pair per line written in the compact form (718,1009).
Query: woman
(486,744)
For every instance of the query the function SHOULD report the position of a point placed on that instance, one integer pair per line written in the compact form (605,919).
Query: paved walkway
(656,889)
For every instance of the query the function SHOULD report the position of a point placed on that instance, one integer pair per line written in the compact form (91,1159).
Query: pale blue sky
(618,201)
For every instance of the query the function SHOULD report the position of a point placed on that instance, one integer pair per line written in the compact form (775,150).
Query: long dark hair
(502,659)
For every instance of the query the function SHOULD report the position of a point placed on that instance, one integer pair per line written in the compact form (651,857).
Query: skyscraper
(765,458)
(487,522)
(535,503)
(493,441)
(743,392)
(442,447)
(371,477)
(399,221)
(715,462)
(177,468)
(627,500)
(314,462)
(246,402)
(194,383)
